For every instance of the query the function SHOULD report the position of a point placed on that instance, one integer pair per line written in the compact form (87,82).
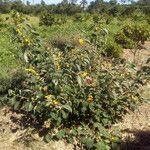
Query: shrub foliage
(77,94)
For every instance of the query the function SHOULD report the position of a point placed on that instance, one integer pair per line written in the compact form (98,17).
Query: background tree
(64,2)
(73,1)
(83,3)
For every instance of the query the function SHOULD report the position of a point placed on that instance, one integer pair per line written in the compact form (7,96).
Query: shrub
(77,94)
(24,34)
(138,15)
(48,19)
(97,18)
(138,33)
(148,20)
(62,43)
(81,17)
(3,23)
(133,35)
(125,42)
(113,49)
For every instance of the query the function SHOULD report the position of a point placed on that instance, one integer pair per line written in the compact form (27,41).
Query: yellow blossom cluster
(32,70)
(83,74)
(90,99)
(51,98)
(57,60)
(26,40)
(81,41)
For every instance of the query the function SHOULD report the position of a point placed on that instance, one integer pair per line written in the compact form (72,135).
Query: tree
(64,2)
(28,3)
(113,2)
(42,3)
(144,2)
(73,1)
(83,3)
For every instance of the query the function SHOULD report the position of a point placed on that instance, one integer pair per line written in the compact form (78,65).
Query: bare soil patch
(14,136)
(141,56)
(136,125)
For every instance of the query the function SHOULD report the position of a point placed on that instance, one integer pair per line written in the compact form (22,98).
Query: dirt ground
(14,137)
(141,56)
(136,125)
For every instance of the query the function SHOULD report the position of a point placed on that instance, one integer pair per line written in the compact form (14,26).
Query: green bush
(3,23)
(76,95)
(148,20)
(112,49)
(132,35)
(125,42)
(63,43)
(138,33)
(11,82)
(97,18)
(138,15)
(48,19)
(81,17)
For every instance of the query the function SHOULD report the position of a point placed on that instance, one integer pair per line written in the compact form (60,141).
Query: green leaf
(79,80)
(48,138)
(13,101)
(88,142)
(67,107)
(16,106)
(79,68)
(60,134)
(64,114)
(30,108)
(38,108)
(101,146)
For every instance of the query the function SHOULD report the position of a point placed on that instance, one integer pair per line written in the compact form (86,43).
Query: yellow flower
(32,71)
(17,14)
(57,66)
(51,100)
(83,74)
(90,99)
(134,98)
(57,60)
(81,41)
(48,48)
(55,102)
(49,97)
(18,31)
(112,139)
(27,41)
